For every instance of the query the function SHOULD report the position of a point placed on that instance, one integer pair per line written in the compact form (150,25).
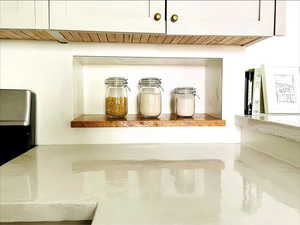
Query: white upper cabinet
(114,16)
(23,14)
(245,17)
(184,17)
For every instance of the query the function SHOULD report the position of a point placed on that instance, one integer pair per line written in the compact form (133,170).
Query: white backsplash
(47,69)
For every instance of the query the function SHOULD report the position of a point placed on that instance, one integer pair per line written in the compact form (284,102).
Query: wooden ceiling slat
(192,40)
(32,34)
(111,37)
(37,33)
(102,37)
(85,36)
(128,38)
(21,35)
(119,37)
(177,39)
(144,38)
(185,39)
(76,36)
(160,39)
(67,35)
(44,35)
(9,34)
(136,38)
(153,38)
(168,39)
(94,37)
(225,40)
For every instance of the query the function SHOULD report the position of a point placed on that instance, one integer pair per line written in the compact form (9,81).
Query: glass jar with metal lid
(185,101)
(149,98)
(116,97)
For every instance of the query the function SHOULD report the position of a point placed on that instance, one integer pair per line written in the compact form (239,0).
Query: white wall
(171,77)
(281,50)
(47,69)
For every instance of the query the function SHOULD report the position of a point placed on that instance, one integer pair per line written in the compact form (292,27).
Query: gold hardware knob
(174,18)
(157,16)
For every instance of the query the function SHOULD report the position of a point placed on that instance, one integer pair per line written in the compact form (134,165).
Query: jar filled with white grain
(185,101)
(149,98)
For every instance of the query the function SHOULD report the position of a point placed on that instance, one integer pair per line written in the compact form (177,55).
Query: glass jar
(116,102)
(149,98)
(185,101)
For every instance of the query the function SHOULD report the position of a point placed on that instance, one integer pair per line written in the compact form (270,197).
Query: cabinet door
(111,16)
(21,14)
(244,17)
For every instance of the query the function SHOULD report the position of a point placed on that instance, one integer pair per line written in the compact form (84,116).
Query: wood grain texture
(26,35)
(137,38)
(144,38)
(76,36)
(165,120)
(168,39)
(85,36)
(128,38)
(67,35)
(102,37)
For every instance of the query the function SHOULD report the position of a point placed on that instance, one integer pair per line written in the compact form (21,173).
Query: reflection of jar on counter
(150,97)
(185,180)
(116,102)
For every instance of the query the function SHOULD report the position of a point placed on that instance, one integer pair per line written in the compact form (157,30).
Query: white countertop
(282,125)
(212,184)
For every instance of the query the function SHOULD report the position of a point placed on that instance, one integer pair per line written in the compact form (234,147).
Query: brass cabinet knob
(157,16)
(174,18)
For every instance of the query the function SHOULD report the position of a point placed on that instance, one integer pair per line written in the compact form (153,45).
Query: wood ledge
(133,120)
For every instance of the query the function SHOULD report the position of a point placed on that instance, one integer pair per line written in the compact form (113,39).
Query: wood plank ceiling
(104,37)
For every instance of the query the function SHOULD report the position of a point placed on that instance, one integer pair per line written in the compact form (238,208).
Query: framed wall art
(281,89)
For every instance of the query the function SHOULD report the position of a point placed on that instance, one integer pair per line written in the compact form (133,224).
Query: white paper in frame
(256,92)
(281,89)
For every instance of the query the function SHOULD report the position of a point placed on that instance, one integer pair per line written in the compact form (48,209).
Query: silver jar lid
(150,82)
(185,90)
(116,81)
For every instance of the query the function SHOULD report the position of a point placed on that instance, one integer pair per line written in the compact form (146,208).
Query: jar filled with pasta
(116,98)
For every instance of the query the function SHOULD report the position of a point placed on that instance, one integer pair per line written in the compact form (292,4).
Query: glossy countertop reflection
(164,184)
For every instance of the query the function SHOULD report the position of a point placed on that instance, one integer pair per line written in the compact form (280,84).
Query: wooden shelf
(165,120)
(136,38)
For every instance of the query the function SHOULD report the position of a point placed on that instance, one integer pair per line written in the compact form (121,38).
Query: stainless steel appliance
(17,123)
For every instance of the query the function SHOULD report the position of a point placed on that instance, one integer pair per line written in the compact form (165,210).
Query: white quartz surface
(212,184)
(282,125)
(292,120)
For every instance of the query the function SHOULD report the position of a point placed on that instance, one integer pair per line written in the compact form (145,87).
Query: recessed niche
(205,74)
